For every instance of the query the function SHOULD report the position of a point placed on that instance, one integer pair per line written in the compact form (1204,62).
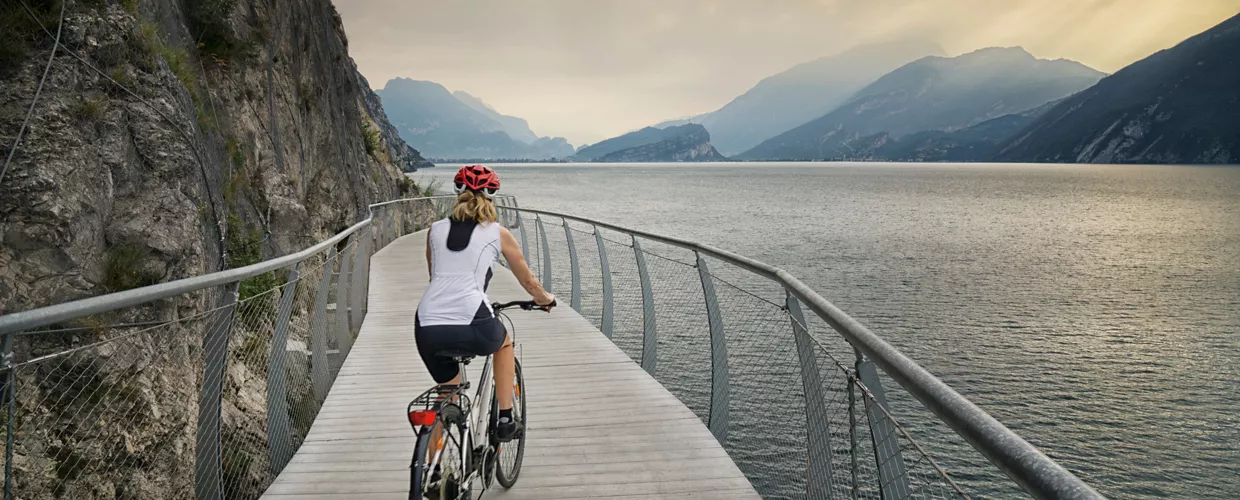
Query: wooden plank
(599,426)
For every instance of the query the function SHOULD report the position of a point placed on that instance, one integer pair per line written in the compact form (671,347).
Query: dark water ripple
(1093,309)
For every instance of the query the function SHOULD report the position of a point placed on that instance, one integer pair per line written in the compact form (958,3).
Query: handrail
(65,311)
(43,316)
(1021,461)
(373,206)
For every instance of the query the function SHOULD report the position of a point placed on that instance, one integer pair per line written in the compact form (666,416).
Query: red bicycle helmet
(476,178)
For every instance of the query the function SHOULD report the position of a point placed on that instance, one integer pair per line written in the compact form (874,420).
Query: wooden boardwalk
(599,426)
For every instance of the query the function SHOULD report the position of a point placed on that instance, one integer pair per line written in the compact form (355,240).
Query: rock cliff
(169,139)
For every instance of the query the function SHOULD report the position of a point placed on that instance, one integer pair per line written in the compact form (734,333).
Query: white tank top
(458,277)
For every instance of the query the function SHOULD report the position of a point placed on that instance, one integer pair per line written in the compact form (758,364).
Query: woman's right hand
(546,302)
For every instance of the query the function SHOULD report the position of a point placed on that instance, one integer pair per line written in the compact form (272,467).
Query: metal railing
(143,393)
(805,415)
(202,387)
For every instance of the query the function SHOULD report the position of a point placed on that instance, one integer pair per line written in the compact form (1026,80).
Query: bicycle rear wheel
(512,452)
(418,468)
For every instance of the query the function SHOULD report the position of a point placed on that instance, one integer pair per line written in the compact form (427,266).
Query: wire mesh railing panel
(766,411)
(244,456)
(561,269)
(590,277)
(627,314)
(683,363)
(303,406)
(109,411)
(530,236)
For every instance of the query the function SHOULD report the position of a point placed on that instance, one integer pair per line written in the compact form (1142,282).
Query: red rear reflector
(422,417)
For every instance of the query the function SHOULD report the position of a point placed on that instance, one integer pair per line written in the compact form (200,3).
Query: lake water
(1093,309)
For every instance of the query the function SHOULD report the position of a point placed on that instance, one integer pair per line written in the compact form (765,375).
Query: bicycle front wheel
(511,453)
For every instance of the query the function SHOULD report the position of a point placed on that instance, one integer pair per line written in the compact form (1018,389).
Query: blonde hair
(473,206)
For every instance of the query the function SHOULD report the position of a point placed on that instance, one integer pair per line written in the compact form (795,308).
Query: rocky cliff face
(688,143)
(140,140)
(170,139)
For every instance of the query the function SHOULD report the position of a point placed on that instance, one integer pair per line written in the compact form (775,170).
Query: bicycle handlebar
(527,305)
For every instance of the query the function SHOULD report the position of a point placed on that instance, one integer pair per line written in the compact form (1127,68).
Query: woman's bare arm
(518,266)
(428,256)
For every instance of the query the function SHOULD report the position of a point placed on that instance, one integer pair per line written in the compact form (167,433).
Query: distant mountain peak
(457,125)
(803,92)
(1013,51)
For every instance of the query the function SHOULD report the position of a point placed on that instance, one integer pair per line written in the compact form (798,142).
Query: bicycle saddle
(456,355)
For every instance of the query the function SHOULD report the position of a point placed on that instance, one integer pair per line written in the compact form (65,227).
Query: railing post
(719,396)
(650,334)
(575,301)
(320,369)
(852,438)
(357,280)
(207,458)
(279,442)
(525,248)
(892,473)
(820,477)
(546,254)
(10,398)
(605,320)
(344,335)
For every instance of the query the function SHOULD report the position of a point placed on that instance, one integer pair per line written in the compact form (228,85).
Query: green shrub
(430,188)
(370,136)
(239,182)
(245,247)
(124,270)
(144,45)
(87,109)
(120,75)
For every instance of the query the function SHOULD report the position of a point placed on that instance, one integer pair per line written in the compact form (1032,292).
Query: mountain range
(802,93)
(899,101)
(1179,105)
(933,93)
(444,125)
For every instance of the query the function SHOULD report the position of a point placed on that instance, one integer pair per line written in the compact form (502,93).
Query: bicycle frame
(477,421)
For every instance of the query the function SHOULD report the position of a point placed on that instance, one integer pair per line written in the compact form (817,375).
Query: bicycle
(454,461)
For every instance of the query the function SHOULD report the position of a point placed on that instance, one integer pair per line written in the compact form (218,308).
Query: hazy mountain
(933,93)
(806,91)
(648,135)
(516,128)
(690,142)
(443,126)
(976,143)
(1180,105)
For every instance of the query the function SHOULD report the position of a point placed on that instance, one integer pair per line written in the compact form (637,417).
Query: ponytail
(473,206)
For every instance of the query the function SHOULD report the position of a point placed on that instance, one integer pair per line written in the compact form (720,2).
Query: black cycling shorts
(482,337)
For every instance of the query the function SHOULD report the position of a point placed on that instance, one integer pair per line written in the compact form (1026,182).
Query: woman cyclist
(455,314)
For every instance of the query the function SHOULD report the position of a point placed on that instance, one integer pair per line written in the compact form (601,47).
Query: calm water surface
(1093,309)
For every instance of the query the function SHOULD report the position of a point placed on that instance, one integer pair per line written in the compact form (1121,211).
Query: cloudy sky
(591,69)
